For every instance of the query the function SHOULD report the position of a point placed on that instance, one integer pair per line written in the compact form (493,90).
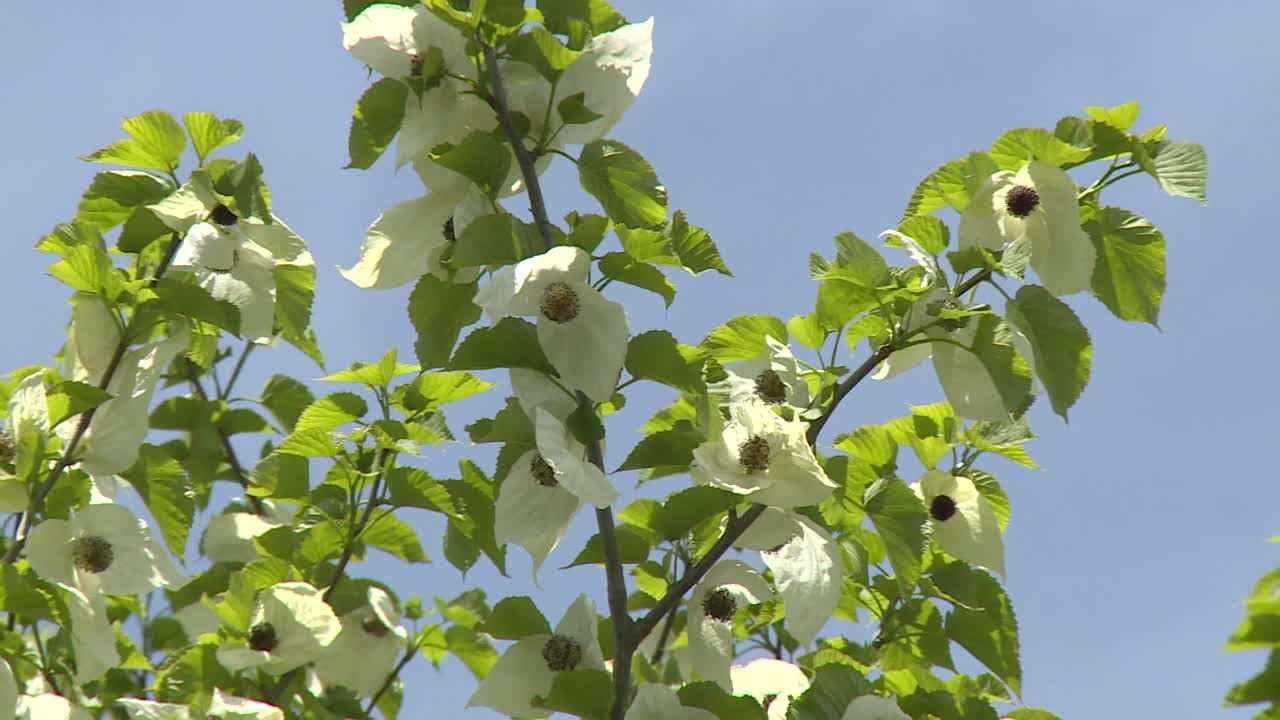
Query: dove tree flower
(659,702)
(762,456)
(582,334)
(232,257)
(1036,205)
(807,568)
(528,667)
(48,706)
(413,45)
(229,537)
(773,683)
(774,376)
(726,586)
(961,519)
(291,626)
(92,638)
(27,428)
(373,634)
(100,549)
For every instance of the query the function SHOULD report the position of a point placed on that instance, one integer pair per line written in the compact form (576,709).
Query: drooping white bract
(1038,205)
(806,564)
(8,691)
(416,237)
(229,537)
(100,549)
(774,377)
(728,585)
(47,706)
(197,619)
(874,707)
(533,509)
(963,522)
(528,667)
(232,257)
(567,458)
(291,626)
(407,43)
(659,702)
(92,639)
(27,425)
(119,425)
(762,456)
(139,709)
(773,683)
(366,650)
(582,334)
(229,707)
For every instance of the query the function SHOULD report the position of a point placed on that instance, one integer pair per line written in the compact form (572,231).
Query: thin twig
(386,684)
(233,461)
(537,205)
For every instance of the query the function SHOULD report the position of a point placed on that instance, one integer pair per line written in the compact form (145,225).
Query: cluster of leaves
(1260,629)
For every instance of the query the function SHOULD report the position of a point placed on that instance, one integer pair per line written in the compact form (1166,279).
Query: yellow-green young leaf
(580,18)
(375,120)
(657,356)
(900,518)
(1263,687)
(193,671)
(24,594)
(155,142)
(624,183)
(500,239)
(543,51)
(807,331)
(743,337)
(473,499)
(70,398)
(633,547)
(352,8)
(163,486)
(332,411)
(991,491)
(510,425)
(391,534)
(482,157)
(586,230)
(439,310)
(1121,117)
(1128,275)
(295,293)
(1030,714)
(509,343)
(1182,168)
(623,268)
(208,133)
(931,233)
(1013,149)
(834,686)
(430,390)
(181,296)
(1261,626)
(115,194)
(314,442)
(373,375)
(693,246)
(85,264)
(1059,343)
(587,694)
(515,617)
(872,444)
(473,650)
(951,185)
(983,623)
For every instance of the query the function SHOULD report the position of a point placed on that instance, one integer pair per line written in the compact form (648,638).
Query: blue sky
(775,126)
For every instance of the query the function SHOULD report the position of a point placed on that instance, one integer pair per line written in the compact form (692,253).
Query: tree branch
(233,462)
(537,205)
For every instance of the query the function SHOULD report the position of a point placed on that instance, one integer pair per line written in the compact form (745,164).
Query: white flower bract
(806,564)
(729,584)
(874,707)
(523,671)
(762,456)
(963,522)
(1037,204)
(100,549)
(659,702)
(363,654)
(774,377)
(773,683)
(291,625)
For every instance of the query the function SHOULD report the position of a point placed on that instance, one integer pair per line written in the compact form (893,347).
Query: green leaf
(633,547)
(951,185)
(156,141)
(573,110)
(515,617)
(1030,714)
(471,649)
(711,697)
(586,230)
(834,686)
(1182,169)
(624,183)
(475,493)
(984,624)
(412,487)
(580,17)
(584,693)
(693,246)
(666,448)
(352,8)
(684,510)
(1263,687)
(510,343)
(481,157)
(497,240)
(657,356)
(242,182)
(280,475)
(995,496)
(1121,117)
(439,310)
(1059,341)
(743,337)
(872,444)
(141,229)
(332,411)
(391,534)
(314,442)
(932,234)
(162,484)
(182,297)
(1014,148)
(373,375)
(900,518)
(85,265)
(70,398)
(114,195)
(24,594)
(295,292)
(375,121)
(208,133)
(430,390)
(857,262)
(1128,275)
(623,268)
(285,398)
(543,51)
(841,300)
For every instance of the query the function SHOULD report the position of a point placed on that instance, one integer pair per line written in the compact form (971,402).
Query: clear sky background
(775,126)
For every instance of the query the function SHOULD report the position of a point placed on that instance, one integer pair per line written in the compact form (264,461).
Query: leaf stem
(224,438)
